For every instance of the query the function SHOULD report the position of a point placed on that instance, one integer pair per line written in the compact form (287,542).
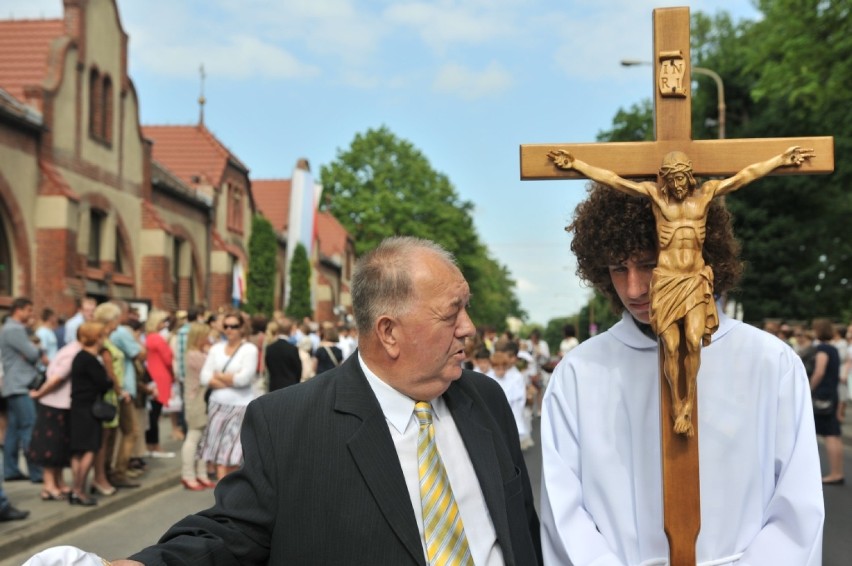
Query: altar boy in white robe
(601,505)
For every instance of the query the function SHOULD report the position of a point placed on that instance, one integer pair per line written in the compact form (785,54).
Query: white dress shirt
(404,428)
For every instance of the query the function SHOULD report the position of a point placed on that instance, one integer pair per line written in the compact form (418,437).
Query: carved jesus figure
(682,309)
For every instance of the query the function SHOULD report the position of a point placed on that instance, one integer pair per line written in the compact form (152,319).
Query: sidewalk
(49,519)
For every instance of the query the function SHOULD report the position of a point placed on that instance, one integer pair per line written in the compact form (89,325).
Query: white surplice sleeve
(569,536)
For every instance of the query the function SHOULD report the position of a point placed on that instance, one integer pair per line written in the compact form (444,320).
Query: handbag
(103,410)
(822,407)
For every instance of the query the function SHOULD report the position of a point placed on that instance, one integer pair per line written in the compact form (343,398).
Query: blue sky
(465,81)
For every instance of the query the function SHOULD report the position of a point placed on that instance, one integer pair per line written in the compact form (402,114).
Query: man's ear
(387,331)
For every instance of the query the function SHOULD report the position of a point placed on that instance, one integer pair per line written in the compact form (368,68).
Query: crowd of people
(826,351)
(410,422)
(83,398)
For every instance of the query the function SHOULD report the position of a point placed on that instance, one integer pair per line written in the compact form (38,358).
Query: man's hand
(795,156)
(562,159)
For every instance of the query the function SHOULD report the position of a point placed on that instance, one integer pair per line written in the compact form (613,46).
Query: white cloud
(236,57)
(447,22)
(469,84)
(526,286)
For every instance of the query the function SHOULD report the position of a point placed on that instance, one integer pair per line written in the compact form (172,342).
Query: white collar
(397,407)
(627,332)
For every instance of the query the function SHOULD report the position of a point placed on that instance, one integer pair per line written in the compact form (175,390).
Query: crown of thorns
(677,167)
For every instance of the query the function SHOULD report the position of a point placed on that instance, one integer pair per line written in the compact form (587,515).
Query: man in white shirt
(761,498)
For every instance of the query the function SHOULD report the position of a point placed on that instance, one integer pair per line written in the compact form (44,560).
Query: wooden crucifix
(681,288)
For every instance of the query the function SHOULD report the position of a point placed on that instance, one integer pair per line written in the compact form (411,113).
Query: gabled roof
(273,201)
(192,153)
(24,49)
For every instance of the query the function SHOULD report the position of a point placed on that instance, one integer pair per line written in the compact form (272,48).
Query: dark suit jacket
(322,483)
(283,364)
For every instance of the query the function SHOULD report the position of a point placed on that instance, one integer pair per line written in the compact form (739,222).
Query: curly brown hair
(610,226)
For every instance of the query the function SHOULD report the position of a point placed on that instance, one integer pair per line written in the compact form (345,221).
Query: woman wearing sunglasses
(228,373)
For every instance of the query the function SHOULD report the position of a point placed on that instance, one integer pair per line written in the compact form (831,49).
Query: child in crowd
(504,372)
(482,360)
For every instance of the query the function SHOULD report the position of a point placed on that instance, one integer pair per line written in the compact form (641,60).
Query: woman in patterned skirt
(228,371)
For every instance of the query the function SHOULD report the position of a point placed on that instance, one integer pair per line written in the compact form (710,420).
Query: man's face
(88,310)
(632,282)
(431,334)
(678,184)
(24,314)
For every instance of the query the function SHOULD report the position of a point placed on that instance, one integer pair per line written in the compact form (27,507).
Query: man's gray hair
(381,282)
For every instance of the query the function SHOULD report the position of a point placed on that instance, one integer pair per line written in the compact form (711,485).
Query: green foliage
(636,124)
(383,186)
(553,332)
(299,303)
(262,248)
(787,75)
(598,312)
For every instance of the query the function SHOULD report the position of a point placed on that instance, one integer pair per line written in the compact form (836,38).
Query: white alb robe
(761,490)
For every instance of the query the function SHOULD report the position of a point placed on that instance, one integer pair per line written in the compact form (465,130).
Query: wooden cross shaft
(708,158)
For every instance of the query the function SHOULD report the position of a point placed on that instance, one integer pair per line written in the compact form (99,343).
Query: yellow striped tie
(446,543)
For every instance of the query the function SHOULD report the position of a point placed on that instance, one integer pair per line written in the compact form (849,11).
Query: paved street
(126,522)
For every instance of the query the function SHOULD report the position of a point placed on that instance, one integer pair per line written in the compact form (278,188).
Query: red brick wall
(220,290)
(157,281)
(54,266)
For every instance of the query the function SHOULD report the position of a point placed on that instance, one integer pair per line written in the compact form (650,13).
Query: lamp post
(720,88)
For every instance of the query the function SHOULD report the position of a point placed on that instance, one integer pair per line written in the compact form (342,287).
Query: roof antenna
(201,99)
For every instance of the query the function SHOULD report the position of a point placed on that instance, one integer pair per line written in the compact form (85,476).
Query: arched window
(106,110)
(235,208)
(97,220)
(95,104)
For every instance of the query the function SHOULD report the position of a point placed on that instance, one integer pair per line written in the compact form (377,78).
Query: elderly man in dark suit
(332,470)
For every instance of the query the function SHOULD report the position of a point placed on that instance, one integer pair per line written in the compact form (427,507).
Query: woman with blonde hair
(112,357)
(194,470)
(159,364)
(229,370)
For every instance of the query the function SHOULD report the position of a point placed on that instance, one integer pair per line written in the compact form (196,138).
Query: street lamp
(720,88)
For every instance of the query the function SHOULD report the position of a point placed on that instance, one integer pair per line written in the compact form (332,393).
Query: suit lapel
(479,441)
(374,454)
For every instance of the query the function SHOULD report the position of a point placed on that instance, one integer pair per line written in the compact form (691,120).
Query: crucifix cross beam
(673,127)
(670,158)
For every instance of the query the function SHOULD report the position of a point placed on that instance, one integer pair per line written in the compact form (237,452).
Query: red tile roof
(332,236)
(273,200)
(192,153)
(24,47)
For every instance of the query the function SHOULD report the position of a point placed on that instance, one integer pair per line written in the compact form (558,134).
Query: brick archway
(15,224)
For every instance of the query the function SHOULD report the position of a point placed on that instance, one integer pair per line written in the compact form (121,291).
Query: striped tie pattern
(446,543)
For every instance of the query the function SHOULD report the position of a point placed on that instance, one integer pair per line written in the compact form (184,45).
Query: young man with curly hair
(761,498)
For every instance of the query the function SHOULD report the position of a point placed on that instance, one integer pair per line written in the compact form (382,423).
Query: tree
(299,303)
(383,186)
(783,76)
(791,76)
(262,248)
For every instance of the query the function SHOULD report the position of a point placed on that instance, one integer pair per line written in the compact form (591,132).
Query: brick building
(85,208)
(92,203)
